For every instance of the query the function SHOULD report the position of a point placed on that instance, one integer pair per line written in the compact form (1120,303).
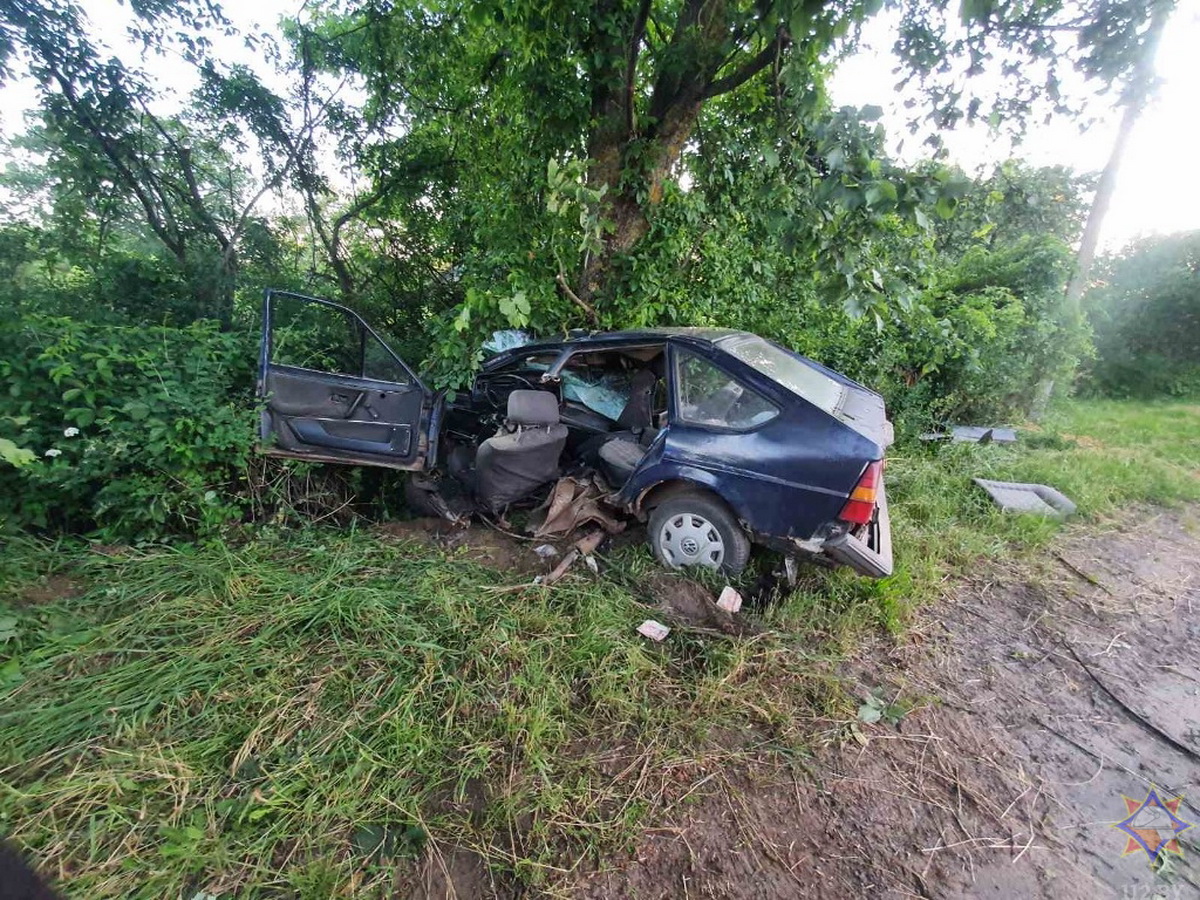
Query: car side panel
(786,478)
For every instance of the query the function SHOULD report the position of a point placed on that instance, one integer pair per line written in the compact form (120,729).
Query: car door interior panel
(334,390)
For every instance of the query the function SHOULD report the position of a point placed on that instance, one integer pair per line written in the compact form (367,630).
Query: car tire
(697,529)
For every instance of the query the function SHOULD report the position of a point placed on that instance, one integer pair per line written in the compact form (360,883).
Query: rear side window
(707,396)
(798,376)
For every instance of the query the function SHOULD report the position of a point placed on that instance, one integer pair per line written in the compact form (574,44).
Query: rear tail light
(861,506)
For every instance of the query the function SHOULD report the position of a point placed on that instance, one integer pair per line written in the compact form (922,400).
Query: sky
(1157,190)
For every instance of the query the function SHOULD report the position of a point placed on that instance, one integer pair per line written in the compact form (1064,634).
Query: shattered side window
(707,396)
(314,336)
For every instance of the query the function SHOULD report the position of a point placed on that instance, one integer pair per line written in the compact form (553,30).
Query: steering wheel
(492,387)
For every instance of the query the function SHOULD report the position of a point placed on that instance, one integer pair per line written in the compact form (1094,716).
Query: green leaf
(14,455)
(869,713)
(10,673)
(137,410)
(975,10)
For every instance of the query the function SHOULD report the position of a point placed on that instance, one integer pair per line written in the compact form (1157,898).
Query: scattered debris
(546,551)
(584,547)
(559,571)
(730,600)
(573,503)
(974,434)
(656,631)
(791,570)
(1040,499)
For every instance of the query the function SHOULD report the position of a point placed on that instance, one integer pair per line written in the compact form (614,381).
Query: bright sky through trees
(1145,202)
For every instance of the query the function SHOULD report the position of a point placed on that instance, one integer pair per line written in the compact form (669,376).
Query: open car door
(333,391)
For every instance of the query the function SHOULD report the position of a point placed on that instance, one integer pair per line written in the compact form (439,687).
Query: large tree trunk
(633,160)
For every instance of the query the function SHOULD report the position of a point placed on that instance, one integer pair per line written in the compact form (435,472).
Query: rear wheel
(697,529)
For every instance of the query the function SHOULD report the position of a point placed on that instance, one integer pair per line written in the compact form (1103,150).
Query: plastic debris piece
(656,631)
(591,563)
(730,600)
(1039,499)
(974,434)
(791,569)
(559,571)
(584,547)
(546,551)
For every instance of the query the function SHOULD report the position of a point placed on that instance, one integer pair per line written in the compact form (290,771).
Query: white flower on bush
(70,432)
(53,452)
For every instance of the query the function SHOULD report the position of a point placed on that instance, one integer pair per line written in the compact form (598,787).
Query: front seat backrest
(638,413)
(524,454)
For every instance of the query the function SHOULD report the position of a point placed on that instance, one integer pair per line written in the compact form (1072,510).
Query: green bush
(137,432)
(1145,312)
(993,327)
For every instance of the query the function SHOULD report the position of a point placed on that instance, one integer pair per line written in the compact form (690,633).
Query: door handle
(342,398)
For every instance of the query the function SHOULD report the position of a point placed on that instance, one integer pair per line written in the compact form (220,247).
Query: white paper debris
(546,551)
(656,631)
(730,600)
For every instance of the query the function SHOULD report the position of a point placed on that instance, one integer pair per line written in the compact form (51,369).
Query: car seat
(624,448)
(524,454)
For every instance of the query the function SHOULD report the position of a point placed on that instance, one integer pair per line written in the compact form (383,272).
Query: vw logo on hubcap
(689,546)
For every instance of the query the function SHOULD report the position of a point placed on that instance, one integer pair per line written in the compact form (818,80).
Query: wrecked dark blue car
(716,439)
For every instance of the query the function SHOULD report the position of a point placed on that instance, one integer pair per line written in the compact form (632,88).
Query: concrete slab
(1039,499)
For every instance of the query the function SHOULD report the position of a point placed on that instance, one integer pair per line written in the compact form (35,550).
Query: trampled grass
(306,714)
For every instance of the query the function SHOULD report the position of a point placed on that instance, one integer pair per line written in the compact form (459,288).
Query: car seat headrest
(532,408)
(643,380)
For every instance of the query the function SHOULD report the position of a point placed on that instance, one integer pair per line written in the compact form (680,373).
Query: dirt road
(1044,698)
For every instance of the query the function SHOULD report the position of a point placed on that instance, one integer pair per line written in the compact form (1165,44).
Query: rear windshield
(794,374)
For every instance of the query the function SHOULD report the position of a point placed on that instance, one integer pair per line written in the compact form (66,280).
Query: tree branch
(588,309)
(154,219)
(635,44)
(764,58)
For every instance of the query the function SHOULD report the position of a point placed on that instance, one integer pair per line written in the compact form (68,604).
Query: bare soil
(1042,697)
(475,542)
(49,590)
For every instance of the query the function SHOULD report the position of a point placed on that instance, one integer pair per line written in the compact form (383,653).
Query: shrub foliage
(134,431)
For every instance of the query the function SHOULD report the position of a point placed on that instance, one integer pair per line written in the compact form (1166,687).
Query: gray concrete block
(1039,499)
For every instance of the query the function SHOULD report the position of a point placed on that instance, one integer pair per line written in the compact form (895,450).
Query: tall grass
(301,715)
(296,713)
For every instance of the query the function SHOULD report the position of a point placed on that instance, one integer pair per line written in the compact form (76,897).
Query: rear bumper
(871,557)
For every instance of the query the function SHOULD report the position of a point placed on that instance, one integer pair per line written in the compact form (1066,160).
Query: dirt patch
(683,603)
(475,542)
(49,590)
(1041,700)
(452,872)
